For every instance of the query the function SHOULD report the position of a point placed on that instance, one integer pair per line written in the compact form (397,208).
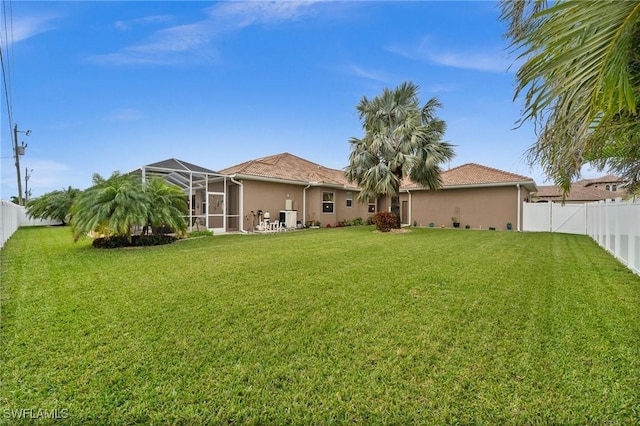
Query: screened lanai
(214,200)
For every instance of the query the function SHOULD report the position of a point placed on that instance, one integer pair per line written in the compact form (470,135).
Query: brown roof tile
(603,179)
(473,174)
(289,167)
(578,192)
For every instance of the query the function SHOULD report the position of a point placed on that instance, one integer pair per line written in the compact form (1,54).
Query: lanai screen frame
(191,180)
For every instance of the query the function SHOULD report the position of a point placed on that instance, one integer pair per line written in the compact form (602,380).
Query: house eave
(529,185)
(240,176)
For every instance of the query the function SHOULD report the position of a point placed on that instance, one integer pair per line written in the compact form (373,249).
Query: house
(290,189)
(475,195)
(284,182)
(583,191)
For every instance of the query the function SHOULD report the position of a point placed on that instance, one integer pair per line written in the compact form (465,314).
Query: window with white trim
(327,202)
(372,205)
(349,199)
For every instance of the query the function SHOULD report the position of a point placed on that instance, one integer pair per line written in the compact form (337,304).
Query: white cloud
(153,19)
(126,115)
(23,28)
(194,41)
(358,71)
(44,176)
(480,59)
(245,13)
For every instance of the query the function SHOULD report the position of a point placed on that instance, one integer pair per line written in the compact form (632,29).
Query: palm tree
(53,205)
(167,205)
(113,206)
(581,83)
(402,140)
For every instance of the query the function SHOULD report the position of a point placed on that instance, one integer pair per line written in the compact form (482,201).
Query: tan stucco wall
(477,207)
(270,197)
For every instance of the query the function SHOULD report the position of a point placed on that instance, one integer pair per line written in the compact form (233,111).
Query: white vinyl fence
(614,225)
(12,217)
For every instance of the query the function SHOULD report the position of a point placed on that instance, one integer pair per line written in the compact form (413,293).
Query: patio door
(215,212)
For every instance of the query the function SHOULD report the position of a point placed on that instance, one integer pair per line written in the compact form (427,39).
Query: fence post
(634,234)
(616,225)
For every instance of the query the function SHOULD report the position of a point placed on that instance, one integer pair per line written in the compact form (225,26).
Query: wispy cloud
(126,115)
(44,176)
(480,59)
(23,28)
(358,71)
(195,41)
(147,20)
(245,13)
(441,88)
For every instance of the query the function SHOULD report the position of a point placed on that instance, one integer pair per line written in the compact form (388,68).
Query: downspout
(241,196)
(518,209)
(410,209)
(304,204)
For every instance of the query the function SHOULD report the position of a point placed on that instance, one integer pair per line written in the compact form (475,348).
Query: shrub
(136,241)
(357,221)
(385,221)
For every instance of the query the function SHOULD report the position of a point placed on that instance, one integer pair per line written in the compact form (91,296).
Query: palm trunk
(395,208)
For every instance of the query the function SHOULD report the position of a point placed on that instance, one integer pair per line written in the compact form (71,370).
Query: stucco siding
(480,208)
(271,197)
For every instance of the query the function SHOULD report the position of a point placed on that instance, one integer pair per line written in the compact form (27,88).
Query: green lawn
(321,327)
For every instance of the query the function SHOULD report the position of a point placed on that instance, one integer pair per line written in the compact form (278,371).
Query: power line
(6,76)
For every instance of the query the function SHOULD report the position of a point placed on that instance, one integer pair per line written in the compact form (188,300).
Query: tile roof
(580,191)
(289,167)
(603,179)
(472,174)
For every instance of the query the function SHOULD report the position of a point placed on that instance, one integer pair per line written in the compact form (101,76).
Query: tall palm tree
(581,83)
(112,205)
(53,205)
(402,140)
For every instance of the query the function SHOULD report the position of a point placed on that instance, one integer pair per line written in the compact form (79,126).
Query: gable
(288,167)
(476,175)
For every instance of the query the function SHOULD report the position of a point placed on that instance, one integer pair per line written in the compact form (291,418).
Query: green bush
(385,221)
(357,221)
(136,241)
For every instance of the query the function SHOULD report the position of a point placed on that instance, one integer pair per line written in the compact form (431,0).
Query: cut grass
(322,327)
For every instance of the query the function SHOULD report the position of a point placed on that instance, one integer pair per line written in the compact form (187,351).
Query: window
(607,188)
(349,199)
(614,187)
(327,202)
(372,205)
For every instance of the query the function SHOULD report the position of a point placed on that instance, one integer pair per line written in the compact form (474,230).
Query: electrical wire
(6,69)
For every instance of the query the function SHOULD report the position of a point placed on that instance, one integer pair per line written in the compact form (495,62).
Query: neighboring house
(478,196)
(583,191)
(285,182)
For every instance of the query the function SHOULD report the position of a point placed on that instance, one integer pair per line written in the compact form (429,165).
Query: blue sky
(110,86)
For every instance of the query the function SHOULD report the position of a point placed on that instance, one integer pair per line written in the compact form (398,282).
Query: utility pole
(18,151)
(27,192)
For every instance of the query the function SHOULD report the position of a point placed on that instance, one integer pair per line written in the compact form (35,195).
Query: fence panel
(10,218)
(569,219)
(615,226)
(536,217)
(13,216)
